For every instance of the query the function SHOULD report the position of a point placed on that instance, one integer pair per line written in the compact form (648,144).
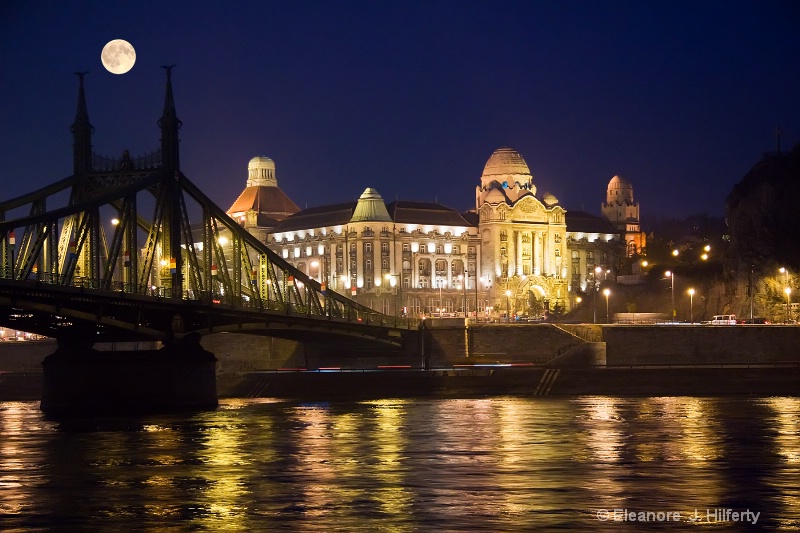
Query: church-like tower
(623,212)
(523,238)
(262,204)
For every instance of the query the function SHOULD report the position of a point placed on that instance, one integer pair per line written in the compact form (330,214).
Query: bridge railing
(351,314)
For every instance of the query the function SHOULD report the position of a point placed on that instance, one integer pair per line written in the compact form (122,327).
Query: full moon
(118,56)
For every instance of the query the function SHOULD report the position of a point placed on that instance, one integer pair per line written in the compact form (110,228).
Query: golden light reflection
(787,426)
(222,470)
(604,432)
(16,479)
(391,442)
(316,460)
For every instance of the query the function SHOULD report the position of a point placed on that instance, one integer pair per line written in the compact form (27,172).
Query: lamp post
(788,291)
(671,275)
(595,288)
(607,292)
(441,283)
(691,305)
(394,279)
(464,288)
(508,309)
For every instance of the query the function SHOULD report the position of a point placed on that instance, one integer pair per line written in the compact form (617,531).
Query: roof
(318,217)
(400,211)
(370,208)
(588,223)
(425,213)
(264,199)
(505,161)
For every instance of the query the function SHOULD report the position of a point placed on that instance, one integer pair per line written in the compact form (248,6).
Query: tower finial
(169,124)
(82,131)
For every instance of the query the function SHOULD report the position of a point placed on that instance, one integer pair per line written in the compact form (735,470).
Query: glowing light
(675,253)
(223,240)
(114,221)
(431,247)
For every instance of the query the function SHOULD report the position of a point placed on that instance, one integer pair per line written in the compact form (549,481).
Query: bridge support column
(80,381)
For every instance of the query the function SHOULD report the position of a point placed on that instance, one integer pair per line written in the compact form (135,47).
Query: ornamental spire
(169,124)
(82,131)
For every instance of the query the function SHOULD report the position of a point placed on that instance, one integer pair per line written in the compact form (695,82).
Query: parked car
(723,320)
(753,321)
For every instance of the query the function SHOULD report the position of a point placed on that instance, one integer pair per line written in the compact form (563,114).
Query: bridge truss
(140,227)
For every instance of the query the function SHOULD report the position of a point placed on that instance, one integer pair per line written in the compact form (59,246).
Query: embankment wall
(701,345)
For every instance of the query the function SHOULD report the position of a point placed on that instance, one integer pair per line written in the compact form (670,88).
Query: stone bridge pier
(80,381)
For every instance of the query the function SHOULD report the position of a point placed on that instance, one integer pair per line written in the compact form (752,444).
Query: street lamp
(691,305)
(508,309)
(785,272)
(595,288)
(607,292)
(441,283)
(671,275)
(394,279)
(463,279)
(788,291)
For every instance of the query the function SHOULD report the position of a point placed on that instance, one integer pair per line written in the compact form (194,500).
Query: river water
(499,464)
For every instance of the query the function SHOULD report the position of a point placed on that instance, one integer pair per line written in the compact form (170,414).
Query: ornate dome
(370,207)
(505,161)
(508,169)
(618,182)
(261,172)
(549,199)
(620,191)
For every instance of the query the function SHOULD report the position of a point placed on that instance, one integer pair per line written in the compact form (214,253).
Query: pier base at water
(81,382)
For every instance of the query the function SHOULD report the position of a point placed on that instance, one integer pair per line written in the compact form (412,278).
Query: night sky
(681,98)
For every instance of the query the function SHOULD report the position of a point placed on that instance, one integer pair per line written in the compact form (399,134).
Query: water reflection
(401,465)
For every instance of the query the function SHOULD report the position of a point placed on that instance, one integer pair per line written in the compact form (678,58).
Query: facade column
(518,255)
(546,254)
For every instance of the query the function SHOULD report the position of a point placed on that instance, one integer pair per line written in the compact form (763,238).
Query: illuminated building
(262,204)
(430,259)
(623,212)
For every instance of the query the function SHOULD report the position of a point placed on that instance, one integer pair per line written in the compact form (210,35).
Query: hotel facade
(516,254)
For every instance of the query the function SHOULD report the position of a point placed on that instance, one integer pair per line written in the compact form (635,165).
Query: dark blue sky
(412,98)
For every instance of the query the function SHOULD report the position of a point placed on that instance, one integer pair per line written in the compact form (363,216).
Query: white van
(723,320)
